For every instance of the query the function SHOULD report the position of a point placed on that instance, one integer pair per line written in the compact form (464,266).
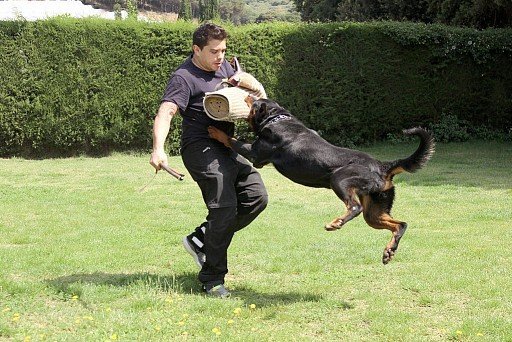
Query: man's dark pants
(234,194)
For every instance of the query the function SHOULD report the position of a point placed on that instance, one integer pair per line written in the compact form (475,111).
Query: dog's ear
(262,111)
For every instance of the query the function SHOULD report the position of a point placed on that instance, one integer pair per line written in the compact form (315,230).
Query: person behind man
(232,189)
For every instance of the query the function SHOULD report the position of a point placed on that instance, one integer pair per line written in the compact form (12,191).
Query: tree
(473,13)
(185,10)
(117,10)
(209,9)
(131,8)
(233,10)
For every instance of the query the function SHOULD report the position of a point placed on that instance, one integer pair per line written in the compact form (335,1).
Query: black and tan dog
(363,183)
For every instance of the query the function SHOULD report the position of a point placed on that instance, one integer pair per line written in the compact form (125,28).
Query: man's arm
(161,128)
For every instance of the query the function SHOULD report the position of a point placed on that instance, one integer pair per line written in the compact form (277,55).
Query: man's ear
(196,48)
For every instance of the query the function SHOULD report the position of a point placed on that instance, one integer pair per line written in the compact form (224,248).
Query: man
(232,190)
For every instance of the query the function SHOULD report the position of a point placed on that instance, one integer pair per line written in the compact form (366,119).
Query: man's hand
(157,159)
(219,135)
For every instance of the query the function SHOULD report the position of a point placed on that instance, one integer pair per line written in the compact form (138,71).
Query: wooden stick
(172,172)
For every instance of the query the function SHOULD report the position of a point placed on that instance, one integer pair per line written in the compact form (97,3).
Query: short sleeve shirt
(186,88)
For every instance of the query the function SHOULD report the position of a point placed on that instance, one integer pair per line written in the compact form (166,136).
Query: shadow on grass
(260,299)
(186,283)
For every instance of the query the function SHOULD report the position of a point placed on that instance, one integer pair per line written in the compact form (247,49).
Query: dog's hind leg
(376,212)
(346,189)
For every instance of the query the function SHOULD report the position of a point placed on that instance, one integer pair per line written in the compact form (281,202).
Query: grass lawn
(86,256)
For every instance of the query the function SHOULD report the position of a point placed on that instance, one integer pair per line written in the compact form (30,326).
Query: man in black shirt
(232,189)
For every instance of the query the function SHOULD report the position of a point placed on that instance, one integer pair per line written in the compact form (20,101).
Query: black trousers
(234,194)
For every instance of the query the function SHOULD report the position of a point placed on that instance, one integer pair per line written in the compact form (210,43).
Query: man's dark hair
(206,32)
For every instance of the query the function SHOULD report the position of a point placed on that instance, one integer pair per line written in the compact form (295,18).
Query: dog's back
(303,156)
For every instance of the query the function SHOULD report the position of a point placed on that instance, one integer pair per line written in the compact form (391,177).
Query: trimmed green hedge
(359,82)
(92,86)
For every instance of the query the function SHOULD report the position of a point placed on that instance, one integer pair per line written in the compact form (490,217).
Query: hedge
(72,86)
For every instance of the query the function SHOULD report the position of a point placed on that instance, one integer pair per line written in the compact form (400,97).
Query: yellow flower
(458,332)
(185,315)
(185,333)
(181,323)
(6,309)
(252,306)
(253,329)
(27,338)
(216,331)
(237,311)
(16,317)
(231,321)
(158,328)
(113,337)
(75,297)
(168,300)
(77,321)
(479,334)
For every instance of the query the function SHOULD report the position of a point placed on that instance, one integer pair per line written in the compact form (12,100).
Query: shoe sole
(190,251)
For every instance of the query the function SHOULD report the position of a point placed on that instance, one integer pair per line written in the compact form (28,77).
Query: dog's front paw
(335,224)
(218,135)
(330,227)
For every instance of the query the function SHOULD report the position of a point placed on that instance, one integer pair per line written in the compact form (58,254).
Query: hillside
(237,11)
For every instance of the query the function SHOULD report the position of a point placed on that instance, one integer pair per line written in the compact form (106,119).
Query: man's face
(210,58)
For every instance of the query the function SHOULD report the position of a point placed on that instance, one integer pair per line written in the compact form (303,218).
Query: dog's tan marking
(388,180)
(377,217)
(249,100)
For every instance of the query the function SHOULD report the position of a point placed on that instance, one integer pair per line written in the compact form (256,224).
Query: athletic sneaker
(192,249)
(219,291)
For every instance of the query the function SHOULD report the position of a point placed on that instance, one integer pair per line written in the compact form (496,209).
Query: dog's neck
(274,117)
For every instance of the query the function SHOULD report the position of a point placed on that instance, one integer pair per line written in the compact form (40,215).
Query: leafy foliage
(377,78)
(85,85)
(209,9)
(471,13)
(449,129)
(185,10)
(72,86)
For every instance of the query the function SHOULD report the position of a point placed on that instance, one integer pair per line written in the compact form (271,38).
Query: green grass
(86,256)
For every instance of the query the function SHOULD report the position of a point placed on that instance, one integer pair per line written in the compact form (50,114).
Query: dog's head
(260,110)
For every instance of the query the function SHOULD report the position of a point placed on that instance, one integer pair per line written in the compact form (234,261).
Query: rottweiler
(363,183)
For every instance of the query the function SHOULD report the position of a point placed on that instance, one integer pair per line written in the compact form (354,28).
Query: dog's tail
(416,160)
